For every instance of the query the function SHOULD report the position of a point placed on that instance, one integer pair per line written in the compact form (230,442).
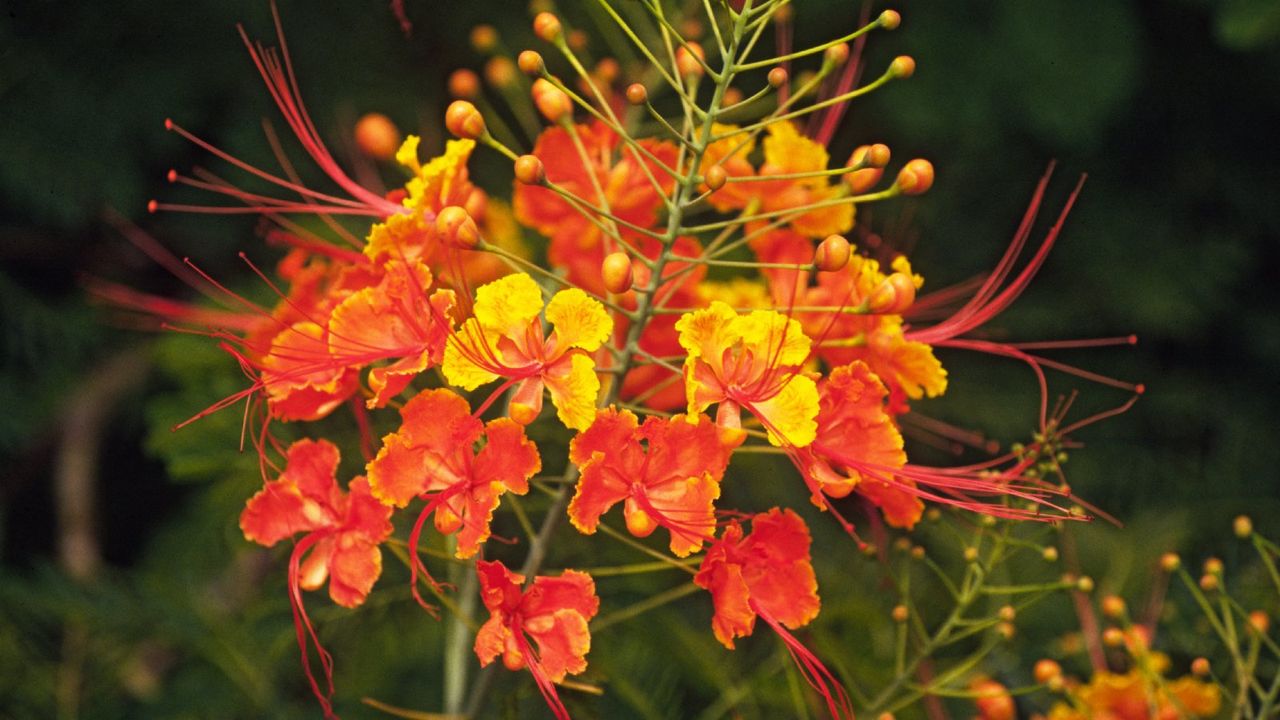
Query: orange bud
(500,71)
(552,102)
(778,77)
(832,254)
(890,20)
(869,158)
(484,38)
(836,54)
(1213,566)
(1084,584)
(1007,613)
(893,295)
(902,67)
(616,272)
(716,177)
(547,27)
(636,94)
(1200,666)
(1113,606)
(464,120)
(993,700)
(531,62)
(477,203)
(377,136)
(529,170)
(900,613)
(1242,526)
(732,96)
(464,84)
(577,40)
(1170,562)
(687,59)
(1046,670)
(692,28)
(455,226)
(915,177)
(1112,637)
(607,70)
(1209,583)
(1259,621)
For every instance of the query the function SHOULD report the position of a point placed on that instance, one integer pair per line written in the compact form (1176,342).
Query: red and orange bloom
(505,339)
(623,176)
(754,362)
(786,152)
(667,471)
(768,574)
(343,531)
(859,448)
(1131,696)
(553,612)
(433,456)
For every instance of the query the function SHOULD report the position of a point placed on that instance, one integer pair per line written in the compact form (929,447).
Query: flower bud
(902,67)
(464,84)
(500,71)
(464,120)
(1007,613)
(1200,666)
(890,20)
(636,94)
(484,38)
(456,227)
(836,54)
(893,295)
(872,159)
(1209,583)
(1112,637)
(1242,526)
(607,70)
(993,700)
(1213,566)
(971,554)
(552,102)
(377,137)
(531,62)
(1085,584)
(1050,554)
(547,27)
(1170,562)
(777,77)
(688,59)
(1113,607)
(477,203)
(832,254)
(715,177)
(732,96)
(616,272)
(1260,621)
(915,177)
(692,28)
(529,170)
(1046,670)
(577,40)
(900,613)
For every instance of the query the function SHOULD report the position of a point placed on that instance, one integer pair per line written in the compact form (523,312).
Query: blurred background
(125,587)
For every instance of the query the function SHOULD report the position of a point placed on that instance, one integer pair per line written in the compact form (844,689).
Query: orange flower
(505,339)
(769,575)
(433,456)
(553,612)
(1130,696)
(343,531)
(750,361)
(577,244)
(668,471)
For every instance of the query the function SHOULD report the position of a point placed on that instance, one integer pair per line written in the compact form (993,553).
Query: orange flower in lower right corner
(553,612)
(769,574)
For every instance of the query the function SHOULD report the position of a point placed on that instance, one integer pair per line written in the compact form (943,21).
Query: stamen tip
(172,175)
(168,123)
(152,206)
(1133,339)
(1140,388)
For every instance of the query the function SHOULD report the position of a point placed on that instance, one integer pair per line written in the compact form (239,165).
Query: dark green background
(1170,108)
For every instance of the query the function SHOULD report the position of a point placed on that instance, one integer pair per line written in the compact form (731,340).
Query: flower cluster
(434,306)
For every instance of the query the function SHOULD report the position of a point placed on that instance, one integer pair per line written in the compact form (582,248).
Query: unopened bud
(971,554)
(900,613)
(893,295)
(1170,562)
(915,177)
(477,203)
(1209,583)
(531,62)
(732,96)
(464,84)
(484,38)
(692,28)
(836,54)
(1085,584)
(917,552)
(890,20)
(1260,621)
(1007,613)
(616,272)
(902,67)
(529,170)
(607,70)
(832,254)
(377,137)
(1112,637)
(500,71)
(1113,607)
(1242,526)
(1050,554)
(715,177)
(464,120)
(552,102)
(547,27)
(688,59)
(1006,630)
(1200,666)
(577,40)
(993,700)
(636,94)
(1213,566)
(456,227)
(1046,670)
(777,77)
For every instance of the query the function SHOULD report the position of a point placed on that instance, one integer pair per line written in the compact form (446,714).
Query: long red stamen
(811,668)
(306,632)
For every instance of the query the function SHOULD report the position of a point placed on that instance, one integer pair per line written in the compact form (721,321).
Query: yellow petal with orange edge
(707,332)
(400,236)
(457,367)
(579,320)
(507,305)
(919,372)
(574,394)
(791,415)
(787,151)
(774,338)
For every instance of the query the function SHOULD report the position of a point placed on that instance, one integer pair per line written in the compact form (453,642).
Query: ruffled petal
(574,388)
(353,569)
(508,457)
(580,321)
(790,416)
(509,304)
